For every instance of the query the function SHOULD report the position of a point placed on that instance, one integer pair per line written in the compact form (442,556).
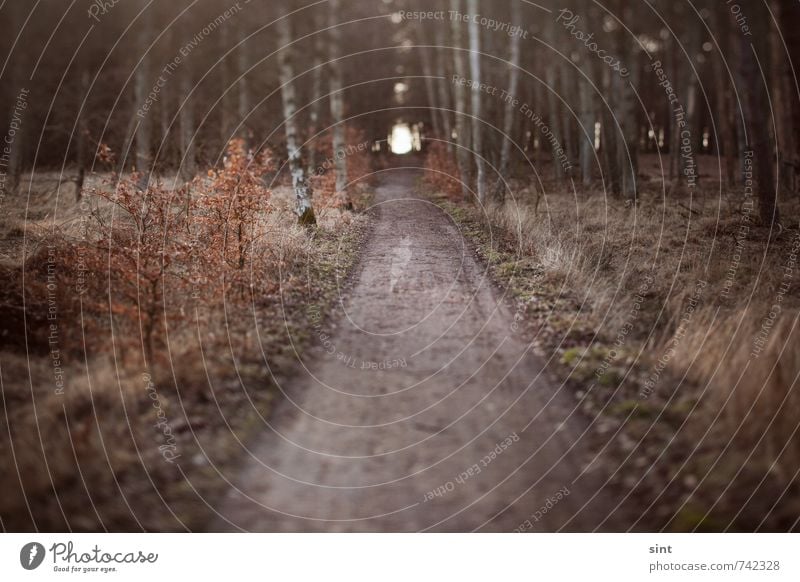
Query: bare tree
(462,130)
(186,122)
(513,89)
(243,65)
(303,208)
(477,101)
(427,71)
(444,95)
(755,105)
(142,85)
(337,102)
(315,107)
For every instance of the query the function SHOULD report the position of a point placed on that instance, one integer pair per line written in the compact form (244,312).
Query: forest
(350,265)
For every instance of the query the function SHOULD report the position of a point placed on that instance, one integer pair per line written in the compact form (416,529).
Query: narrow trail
(424,411)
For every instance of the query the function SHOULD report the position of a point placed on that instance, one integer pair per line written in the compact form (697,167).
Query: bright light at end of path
(402,141)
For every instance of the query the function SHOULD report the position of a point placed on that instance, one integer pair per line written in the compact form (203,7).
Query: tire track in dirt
(424,410)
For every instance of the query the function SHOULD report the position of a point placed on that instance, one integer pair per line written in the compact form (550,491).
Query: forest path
(423,410)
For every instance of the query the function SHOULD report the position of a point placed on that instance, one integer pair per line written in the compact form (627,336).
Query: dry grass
(656,312)
(93,456)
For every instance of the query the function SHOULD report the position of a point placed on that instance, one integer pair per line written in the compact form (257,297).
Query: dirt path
(424,410)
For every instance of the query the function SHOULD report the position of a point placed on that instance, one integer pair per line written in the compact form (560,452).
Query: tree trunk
(337,103)
(243,62)
(755,104)
(186,123)
(726,145)
(513,88)
(441,83)
(430,91)
(224,105)
(315,106)
(303,208)
(83,129)
(627,144)
(587,121)
(11,162)
(188,165)
(462,129)
(477,101)
(553,109)
(142,85)
(781,95)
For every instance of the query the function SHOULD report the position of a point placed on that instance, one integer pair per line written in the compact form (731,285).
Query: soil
(421,407)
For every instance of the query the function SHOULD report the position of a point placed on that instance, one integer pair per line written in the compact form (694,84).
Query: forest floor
(422,408)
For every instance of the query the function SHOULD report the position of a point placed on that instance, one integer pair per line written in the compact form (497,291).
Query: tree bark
(755,102)
(477,101)
(243,65)
(142,85)
(726,145)
(462,129)
(303,208)
(315,106)
(430,91)
(781,95)
(627,106)
(337,103)
(513,88)
(444,96)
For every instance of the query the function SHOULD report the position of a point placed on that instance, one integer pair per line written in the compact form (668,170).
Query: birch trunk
(142,83)
(186,123)
(427,72)
(315,106)
(243,62)
(441,83)
(477,102)
(513,89)
(303,208)
(337,103)
(724,119)
(462,130)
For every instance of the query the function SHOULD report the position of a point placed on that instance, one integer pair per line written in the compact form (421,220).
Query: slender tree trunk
(243,65)
(315,107)
(441,83)
(553,106)
(225,106)
(11,162)
(462,129)
(513,88)
(142,85)
(755,102)
(186,123)
(610,134)
(587,121)
(303,208)
(430,91)
(781,95)
(83,129)
(337,103)
(725,121)
(627,145)
(477,101)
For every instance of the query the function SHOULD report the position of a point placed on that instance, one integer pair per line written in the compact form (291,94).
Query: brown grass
(91,457)
(671,358)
